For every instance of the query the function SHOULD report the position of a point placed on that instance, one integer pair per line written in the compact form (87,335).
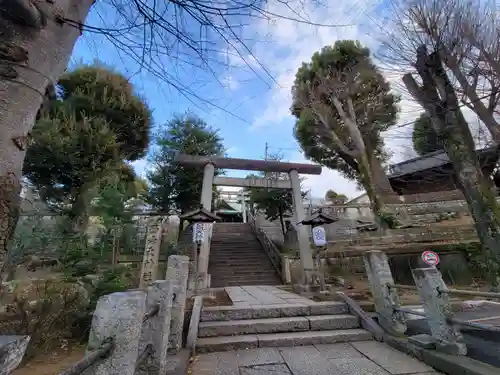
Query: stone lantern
(316,222)
(198,218)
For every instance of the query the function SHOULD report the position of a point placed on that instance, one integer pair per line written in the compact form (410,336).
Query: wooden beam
(253,182)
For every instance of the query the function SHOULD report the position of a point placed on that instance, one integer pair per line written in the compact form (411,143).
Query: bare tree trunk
(438,98)
(282,222)
(381,181)
(35,45)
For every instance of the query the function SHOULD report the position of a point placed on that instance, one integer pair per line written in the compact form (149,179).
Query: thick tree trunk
(381,181)
(35,45)
(448,120)
(282,221)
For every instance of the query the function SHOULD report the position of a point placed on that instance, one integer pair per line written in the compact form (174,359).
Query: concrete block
(312,337)
(210,314)
(260,356)
(390,359)
(248,326)
(332,322)
(327,307)
(226,343)
(281,310)
(120,316)
(423,340)
(12,349)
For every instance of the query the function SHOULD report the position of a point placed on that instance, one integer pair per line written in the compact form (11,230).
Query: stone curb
(449,364)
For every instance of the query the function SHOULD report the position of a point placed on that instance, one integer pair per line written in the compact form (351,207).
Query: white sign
(430,258)
(319,236)
(198,232)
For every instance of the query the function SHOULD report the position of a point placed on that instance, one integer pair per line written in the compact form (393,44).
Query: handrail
(366,321)
(153,311)
(470,293)
(147,351)
(402,286)
(268,245)
(102,352)
(409,311)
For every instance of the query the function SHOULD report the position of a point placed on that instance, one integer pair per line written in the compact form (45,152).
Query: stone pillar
(151,256)
(204,255)
(156,329)
(12,349)
(119,316)
(243,207)
(306,259)
(206,202)
(207,187)
(437,307)
(384,298)
(178,272)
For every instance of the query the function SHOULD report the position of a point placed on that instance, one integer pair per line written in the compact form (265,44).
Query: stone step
(225,284)
(252,261)
(238,281)
(243,270)
(224,313)
(227,343)
(277,325)
(257,259)
(237,247)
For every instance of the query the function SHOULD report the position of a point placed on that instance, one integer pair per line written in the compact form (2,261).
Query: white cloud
(328,179)
(140,167)
(294,43)
(232,151)
(230,83)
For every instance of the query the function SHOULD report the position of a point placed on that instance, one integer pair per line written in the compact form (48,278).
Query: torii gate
(209,163)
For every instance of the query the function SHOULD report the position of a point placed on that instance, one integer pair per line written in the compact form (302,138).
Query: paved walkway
(358,358)
(246,296)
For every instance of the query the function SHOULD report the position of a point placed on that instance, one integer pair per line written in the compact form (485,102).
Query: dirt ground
(52,364)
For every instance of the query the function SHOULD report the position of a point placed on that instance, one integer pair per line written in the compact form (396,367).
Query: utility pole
(265,151)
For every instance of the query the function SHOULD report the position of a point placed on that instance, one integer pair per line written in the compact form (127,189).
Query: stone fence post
(156,329)
(384,298)
(12,349)
(151,256)
(178,273)
(438,309)
(118,316)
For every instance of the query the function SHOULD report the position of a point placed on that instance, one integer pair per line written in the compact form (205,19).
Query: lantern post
(198,218)
(316,222)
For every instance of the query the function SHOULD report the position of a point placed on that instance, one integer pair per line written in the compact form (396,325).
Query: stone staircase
(238,327)
(237,258)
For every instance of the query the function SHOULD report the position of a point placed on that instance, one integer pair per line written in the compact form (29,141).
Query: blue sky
(247,96)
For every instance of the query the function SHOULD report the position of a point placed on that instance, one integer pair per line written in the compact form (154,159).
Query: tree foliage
(274,203)
(344,68)
(424,137)
(342,103)
(173,187)
(84,134)
(331,195)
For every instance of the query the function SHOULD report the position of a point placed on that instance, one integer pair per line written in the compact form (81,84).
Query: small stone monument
(291,239)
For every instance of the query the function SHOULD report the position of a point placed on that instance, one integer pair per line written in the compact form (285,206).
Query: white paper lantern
(198,232)
(319,236)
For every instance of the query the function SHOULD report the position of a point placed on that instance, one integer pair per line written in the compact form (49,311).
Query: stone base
(423,340)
